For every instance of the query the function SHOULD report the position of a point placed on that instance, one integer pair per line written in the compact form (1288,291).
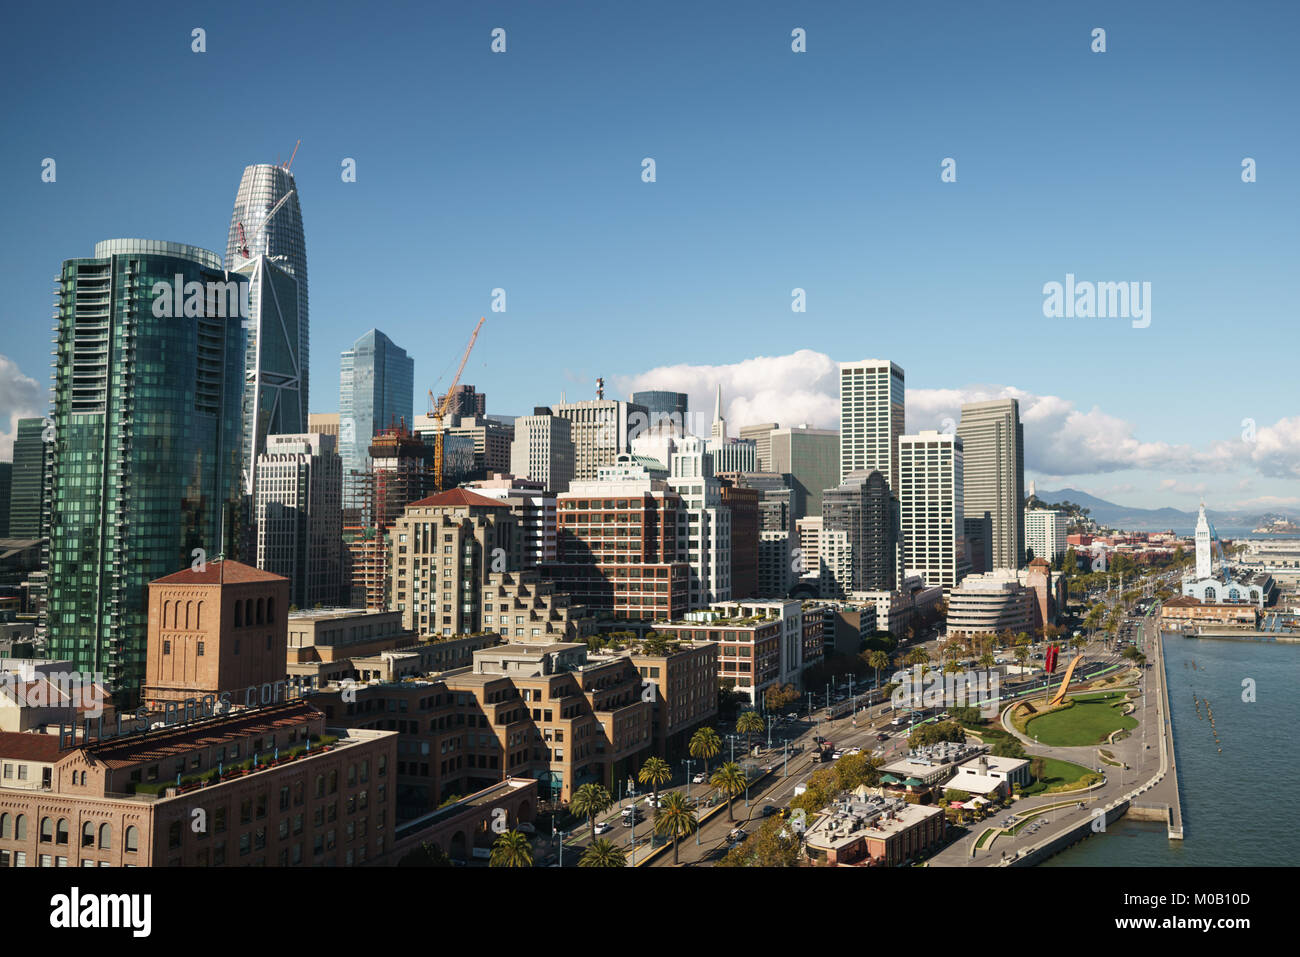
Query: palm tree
(655,772)
(878,659)
(705,744)
(511,849)
(750,723)
(918,656)
(729,779)
(603,853)
(676,819)
(1022,654)
(986,660)
(588,801)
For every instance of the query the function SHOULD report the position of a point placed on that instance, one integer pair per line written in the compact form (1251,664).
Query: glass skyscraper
(27,495)
(376,391)
(145,465)
(272,253)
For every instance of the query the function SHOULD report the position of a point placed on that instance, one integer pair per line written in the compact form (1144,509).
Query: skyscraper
(601,429)
(376,391)
(664,407)
(761,434)
(932,522)
(993,456)
(871,417)
(866,512)
(543,450)
(31,467)
(267,244)
(146,445)
(719,428)
(808,456)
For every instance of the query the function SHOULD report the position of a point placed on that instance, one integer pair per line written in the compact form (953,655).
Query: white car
(853,751)
(699,778)
(602,827)
(837,755)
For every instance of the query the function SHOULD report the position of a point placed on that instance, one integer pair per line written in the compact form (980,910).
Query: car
(882,737)
(699,778)
(792,716)
(853,751)
(769,810)
(836,755)
(603,827)
(525,827)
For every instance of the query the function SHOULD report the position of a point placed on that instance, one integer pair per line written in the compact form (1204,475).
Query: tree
(750,723)
(603,853)
(426,855)
(1022,654)
(655,772)
(588,801)
(917,656)
(730,780)
(774,844)
(877,660)
(986,660)
(511,849)
(676,819)
(934,733)
(855,770)
(728,697)
(705,744)
(778,698)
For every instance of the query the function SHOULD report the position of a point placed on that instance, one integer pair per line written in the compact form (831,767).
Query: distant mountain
(1145,519)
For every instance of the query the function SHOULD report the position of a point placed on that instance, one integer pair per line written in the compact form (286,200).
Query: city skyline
(1118,394)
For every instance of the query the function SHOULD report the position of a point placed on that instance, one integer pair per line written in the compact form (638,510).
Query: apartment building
(931,505)
(685,680)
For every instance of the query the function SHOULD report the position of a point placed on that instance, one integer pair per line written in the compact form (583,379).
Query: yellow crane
(442,406)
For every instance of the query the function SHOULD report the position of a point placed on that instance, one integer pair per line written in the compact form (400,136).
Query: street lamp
(688,762)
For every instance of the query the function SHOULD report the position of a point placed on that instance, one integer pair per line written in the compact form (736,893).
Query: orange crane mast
(444,405)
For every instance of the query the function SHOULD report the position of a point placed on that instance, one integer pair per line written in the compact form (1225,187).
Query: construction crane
(243,239)
(442,407)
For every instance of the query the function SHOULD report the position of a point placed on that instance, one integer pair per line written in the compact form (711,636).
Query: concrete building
(542,450)
(685,680)
(993,475)
(932,518)
(806,567)
(706,544)
(1045,531)
(863,516)
(534,508)
(761,643)
(871,418)
(761,436)
(324,423)
(991,602)
(214,630)
(774,572)
(600,430)
(664,409)
(298,514)
(810,459)
(732,455)
(492,441)
(988,772)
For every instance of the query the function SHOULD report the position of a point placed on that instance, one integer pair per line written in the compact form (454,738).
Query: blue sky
(775,170)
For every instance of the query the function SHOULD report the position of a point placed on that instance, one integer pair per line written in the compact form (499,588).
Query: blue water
(1237,805)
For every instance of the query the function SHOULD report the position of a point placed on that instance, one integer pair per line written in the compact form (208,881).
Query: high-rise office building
(742,503)
(489,438)
(147,421)
(467,401)
(932,518)
(267,244)
(533,506)
(6,492)
(865,510)
(732,455)
(810,457)
(664,408)
(376,391)
(707,543)
(719,429)
(600,429)
(762,437)
(299,516)
(543,450)
(32,447)
(871,417)
(993,456)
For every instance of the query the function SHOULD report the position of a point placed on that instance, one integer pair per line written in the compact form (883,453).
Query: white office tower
(871,418)
(930,499)
(298,511)
(533,506)
(1204,563)
(1045,531)
(993,456)
(542,450)
(704,524)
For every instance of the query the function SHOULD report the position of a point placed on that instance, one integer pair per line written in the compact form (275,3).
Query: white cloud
(1061,439)
(21,397)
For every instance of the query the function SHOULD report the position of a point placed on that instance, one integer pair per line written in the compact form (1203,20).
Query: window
(88,834)
(47,830)
(105,837)
(219,816)
(174,834)
(6,825)
(20,829)
(199,650)
(132,839)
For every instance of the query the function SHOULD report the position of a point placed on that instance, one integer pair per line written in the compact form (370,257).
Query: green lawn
(1090,721)
(1059,776)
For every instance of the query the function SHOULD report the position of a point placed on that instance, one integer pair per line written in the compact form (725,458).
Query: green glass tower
(148,385)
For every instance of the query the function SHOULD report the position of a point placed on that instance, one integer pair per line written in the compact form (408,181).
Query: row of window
(14,828)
